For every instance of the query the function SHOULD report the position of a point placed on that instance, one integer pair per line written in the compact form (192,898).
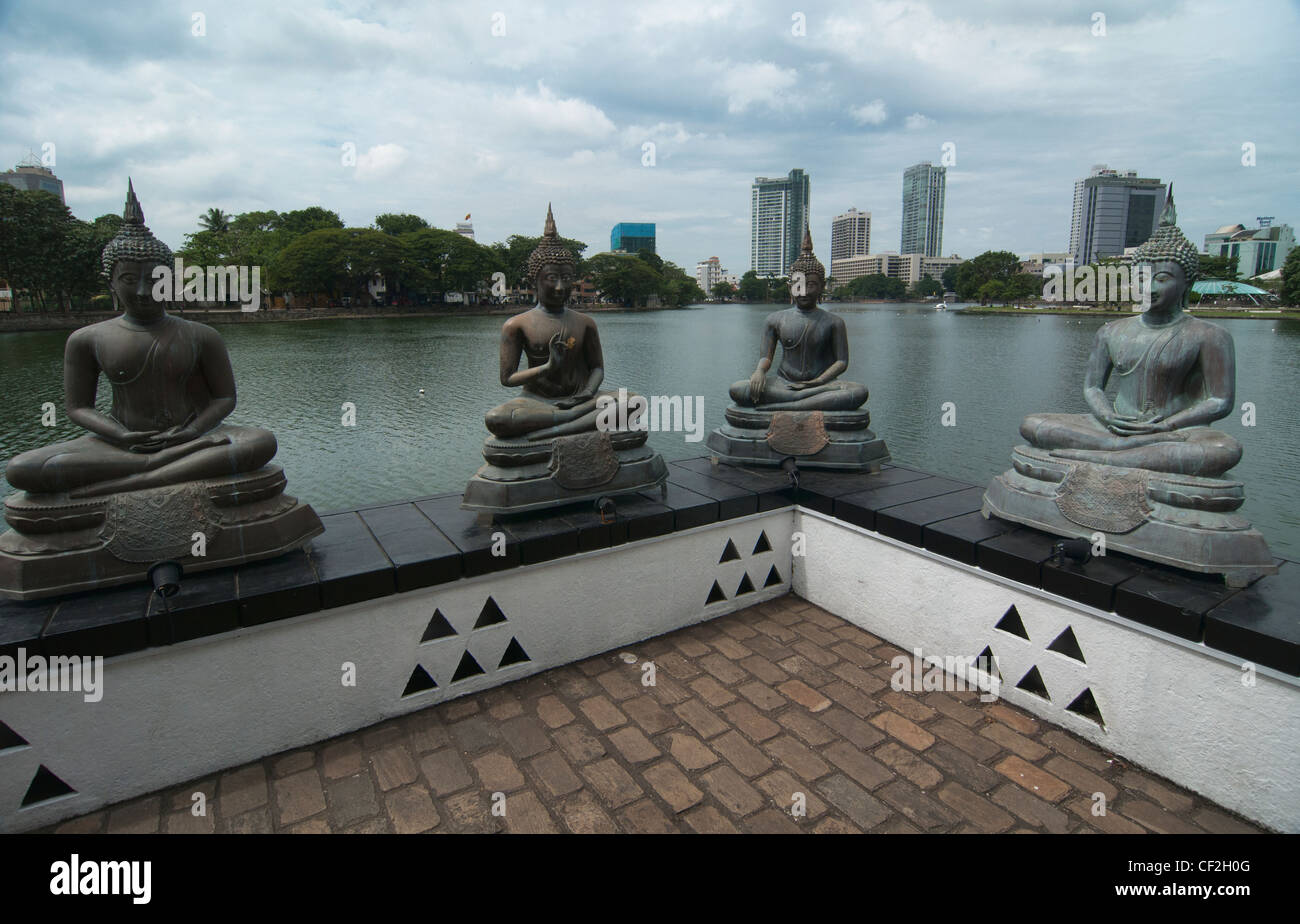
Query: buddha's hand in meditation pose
(756,383)
(1129,426)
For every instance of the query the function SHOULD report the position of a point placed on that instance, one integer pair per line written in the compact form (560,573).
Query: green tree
(214,220)
(877,285)
(778,290)
(752,288)
(926,287)
(1218,267)
(444,261)
(649,256)
(1290,291)
(624,279)
(949,278)
(678,288)
(999,265)
(991,290)
(304,221)
(314,263)
(37,236)
(399,223)
(723,290)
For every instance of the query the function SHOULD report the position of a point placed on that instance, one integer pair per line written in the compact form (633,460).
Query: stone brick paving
(749,713)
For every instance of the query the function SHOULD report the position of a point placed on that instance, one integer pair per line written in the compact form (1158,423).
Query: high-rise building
(632,237)
(1112,211)
(708,273)
(850,235)
(778,215)
(30,174)
(1256,250)
(923,195)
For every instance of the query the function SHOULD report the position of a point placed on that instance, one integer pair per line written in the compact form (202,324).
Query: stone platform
(836,440)
(522,477)
(749,709)
(435,615)
(59,545)
(1178,520)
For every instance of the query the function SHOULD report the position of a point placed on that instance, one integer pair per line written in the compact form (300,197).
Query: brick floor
(774,719)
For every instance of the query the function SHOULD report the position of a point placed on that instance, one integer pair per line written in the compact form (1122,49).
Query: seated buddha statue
(1144,467)
(1174,374)
(565,363)
(172,387)
(161,476)
(547,446)
(815,352)
(805,411)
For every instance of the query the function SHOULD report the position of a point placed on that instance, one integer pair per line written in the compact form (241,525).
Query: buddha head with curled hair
(1173,259)
(552,268)
(129,259)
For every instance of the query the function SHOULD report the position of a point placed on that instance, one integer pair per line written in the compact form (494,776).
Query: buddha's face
(555,283)
(1168,286)
(132,286)
(812,291)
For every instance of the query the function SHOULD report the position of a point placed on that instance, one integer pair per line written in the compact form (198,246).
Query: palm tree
(215,220)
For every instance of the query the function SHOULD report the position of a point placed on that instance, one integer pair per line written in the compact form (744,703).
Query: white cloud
(760,82)
(873,113)
(917,121)
(560,117)
(381,160)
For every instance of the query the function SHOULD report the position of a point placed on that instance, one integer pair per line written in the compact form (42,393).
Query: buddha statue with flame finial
(806,412)
(160,467)
(547,446)
(1145,467)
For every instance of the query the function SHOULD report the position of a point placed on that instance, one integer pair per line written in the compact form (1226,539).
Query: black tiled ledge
(375,551)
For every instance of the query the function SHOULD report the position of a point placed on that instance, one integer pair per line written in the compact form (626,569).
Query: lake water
(294,377)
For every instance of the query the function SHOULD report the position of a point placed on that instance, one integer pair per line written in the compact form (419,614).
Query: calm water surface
(294,377)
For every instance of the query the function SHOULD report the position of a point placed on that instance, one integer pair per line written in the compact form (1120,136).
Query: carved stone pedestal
(522,475)
(814,439)
(58,545)
(1178,520)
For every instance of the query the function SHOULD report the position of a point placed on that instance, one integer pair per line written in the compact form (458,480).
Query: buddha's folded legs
(779,396)
(1201,451)
(527,417)
(90,466)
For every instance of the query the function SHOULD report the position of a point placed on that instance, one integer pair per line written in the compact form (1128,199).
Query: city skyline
(1028,97)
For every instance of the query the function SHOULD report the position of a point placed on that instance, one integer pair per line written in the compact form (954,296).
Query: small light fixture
(1078,551)
(165,576)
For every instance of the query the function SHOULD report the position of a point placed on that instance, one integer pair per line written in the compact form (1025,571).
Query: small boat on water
(942,306)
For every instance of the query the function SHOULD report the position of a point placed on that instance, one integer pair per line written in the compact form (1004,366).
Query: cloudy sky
(495,109)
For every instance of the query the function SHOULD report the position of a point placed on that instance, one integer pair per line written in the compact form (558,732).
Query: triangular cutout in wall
(45,786)
(468,667)
(420,682)
(515,654)
(438,628)
(1032,682)
(1068,645)
(1012,624)
(490,615)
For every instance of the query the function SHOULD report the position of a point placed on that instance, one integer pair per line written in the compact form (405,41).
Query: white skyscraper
(850,235)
